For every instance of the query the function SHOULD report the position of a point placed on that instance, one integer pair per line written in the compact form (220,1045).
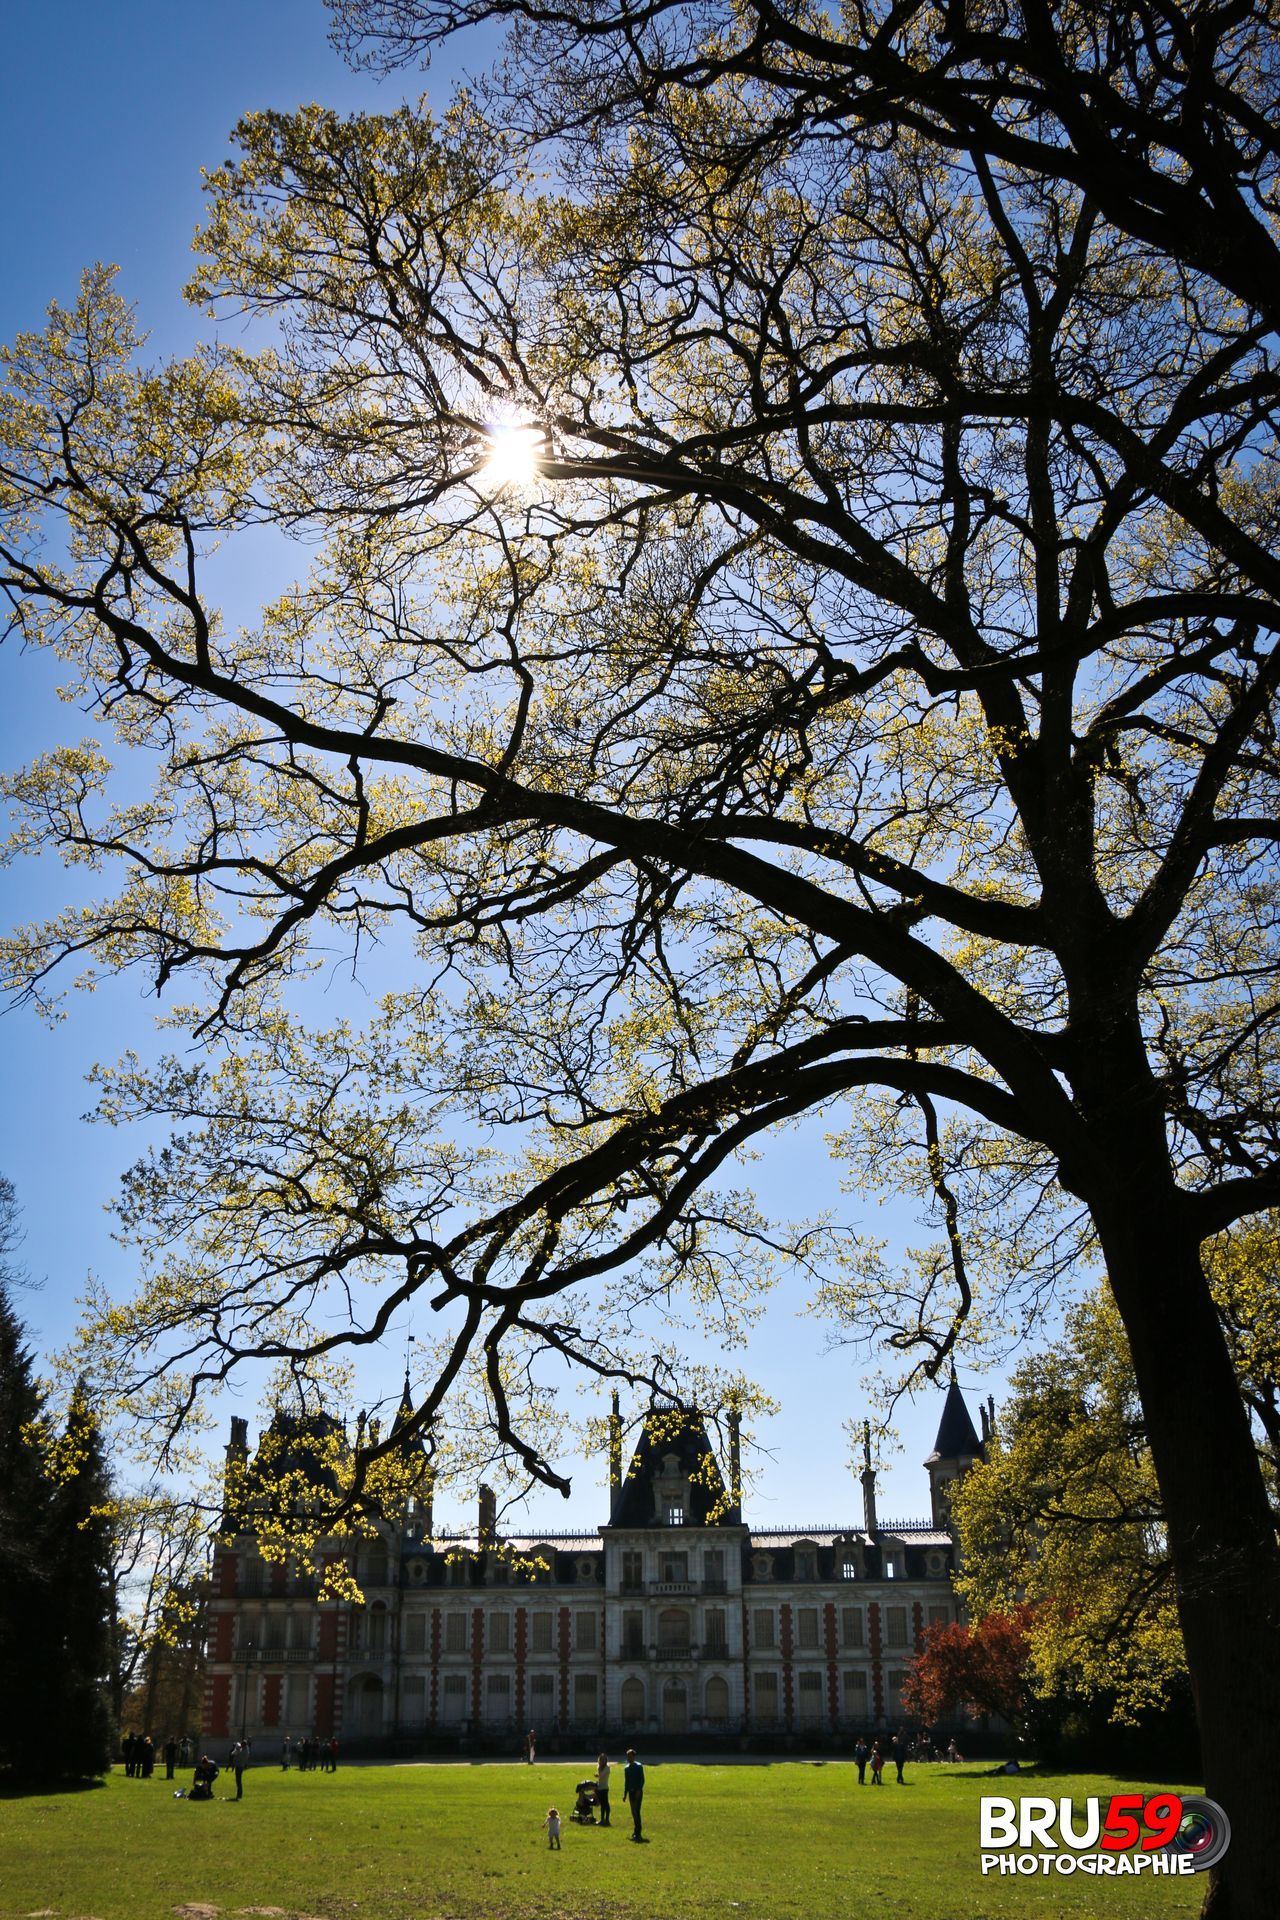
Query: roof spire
(957,1436)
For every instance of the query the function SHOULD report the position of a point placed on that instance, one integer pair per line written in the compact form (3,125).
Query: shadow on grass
(11,1789)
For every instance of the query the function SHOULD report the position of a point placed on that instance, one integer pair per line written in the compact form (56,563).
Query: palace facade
(675,1620)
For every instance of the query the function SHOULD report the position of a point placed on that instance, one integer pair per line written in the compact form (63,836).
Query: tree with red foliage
(986,1666)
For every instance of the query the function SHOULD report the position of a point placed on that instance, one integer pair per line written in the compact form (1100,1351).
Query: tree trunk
(1221,1531)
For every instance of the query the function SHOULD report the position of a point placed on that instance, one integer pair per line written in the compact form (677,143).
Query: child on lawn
(552,1825)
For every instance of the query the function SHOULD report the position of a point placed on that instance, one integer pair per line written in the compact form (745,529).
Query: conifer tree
(23,1501)
(75,1736)
(53,1541)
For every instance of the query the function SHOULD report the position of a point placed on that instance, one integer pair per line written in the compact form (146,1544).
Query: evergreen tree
(75,1735)
(54,1534)
(24,1505)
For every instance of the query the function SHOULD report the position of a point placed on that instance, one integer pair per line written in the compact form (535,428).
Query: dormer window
(675,1513)
(848,1569)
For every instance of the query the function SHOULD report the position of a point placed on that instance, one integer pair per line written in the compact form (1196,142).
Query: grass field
(774,1842)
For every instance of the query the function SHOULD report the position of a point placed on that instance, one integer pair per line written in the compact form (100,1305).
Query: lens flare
(514,450)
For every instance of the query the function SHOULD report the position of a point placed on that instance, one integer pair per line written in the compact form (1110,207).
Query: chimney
(868,1483)
(615,1454)
(735,1460)
(985,1422)
(487,1527)
(991,1416)
(237,1453)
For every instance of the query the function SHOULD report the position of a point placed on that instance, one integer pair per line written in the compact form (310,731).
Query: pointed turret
(414,1449)
(405,1412)
(615,1454)
(956,1449)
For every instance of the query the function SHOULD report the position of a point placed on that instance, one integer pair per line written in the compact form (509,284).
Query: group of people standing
(139,1751)
(899,1753)
(874,1757)
(310,1754)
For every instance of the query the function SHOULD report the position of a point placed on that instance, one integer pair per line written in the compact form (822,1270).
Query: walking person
(861,1752)
(877,1764)
(552,1825)
(602,1788)
(285,1753)
(184,1752)
(170,1757)
(898,1753)
(633,1791)
(531,1746)
(239,1760)
(332,1751)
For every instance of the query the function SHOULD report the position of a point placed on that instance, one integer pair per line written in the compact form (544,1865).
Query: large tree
(54,1522)
(1065,1513)
(793,631)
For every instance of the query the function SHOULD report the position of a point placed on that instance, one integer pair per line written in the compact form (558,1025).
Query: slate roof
(956,1434)
(667,1431)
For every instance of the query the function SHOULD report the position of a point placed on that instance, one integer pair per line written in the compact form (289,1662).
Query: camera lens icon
(1205,1832)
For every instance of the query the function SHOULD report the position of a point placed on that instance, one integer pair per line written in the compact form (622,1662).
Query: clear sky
(110,109)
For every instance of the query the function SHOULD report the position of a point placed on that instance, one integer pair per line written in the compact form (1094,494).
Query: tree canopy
(1065,1514)
(790,628)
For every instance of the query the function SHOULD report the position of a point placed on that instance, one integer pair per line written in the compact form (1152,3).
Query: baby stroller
(584,1807)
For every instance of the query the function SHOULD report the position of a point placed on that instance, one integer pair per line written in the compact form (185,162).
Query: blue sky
(110,109)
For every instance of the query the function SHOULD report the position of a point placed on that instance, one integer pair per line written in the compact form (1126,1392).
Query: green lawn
(776,1842)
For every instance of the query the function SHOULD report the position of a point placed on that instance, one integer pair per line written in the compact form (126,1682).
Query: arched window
(717,1700)
(632,1702)
(673,1628)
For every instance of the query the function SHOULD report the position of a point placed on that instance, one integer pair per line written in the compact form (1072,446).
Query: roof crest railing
(846,1526)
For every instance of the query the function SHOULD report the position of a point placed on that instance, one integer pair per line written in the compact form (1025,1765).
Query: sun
(514,451)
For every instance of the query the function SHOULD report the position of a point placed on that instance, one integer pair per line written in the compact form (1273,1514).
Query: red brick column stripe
(785,1642)
(218,1706)
(833,1677)
(877,1671)
(271,1690)
(226,1570)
